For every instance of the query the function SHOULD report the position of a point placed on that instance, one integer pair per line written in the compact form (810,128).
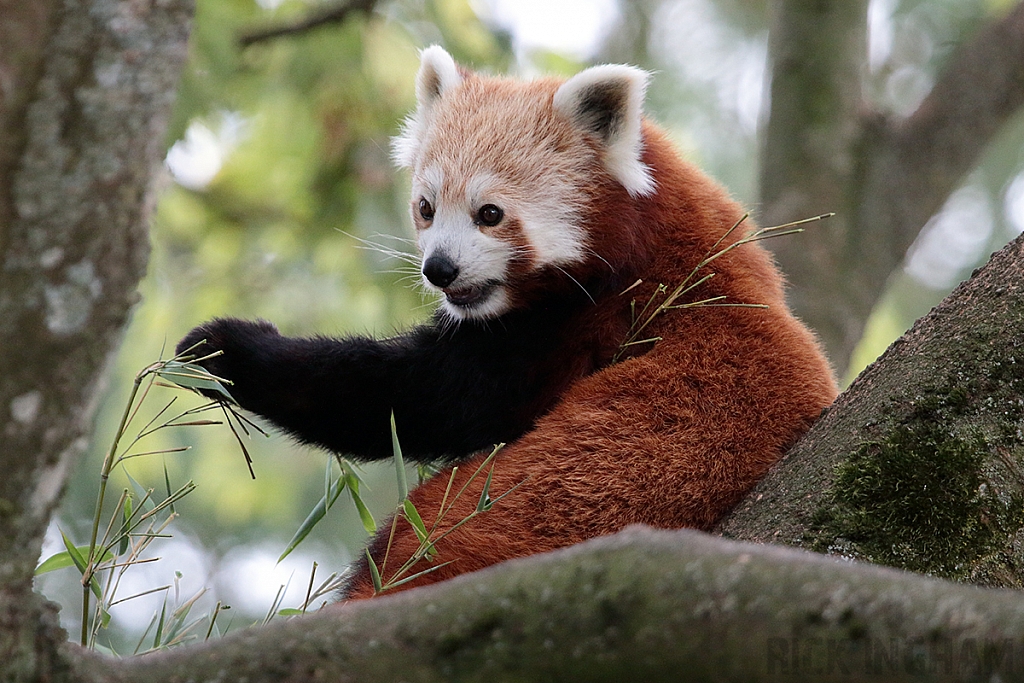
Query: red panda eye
(426,210)
(489,215)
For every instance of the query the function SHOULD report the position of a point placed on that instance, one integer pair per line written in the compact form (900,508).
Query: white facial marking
(429,182)
(546,213)
(482,260)
(550,222)
(481,189)
(548,217)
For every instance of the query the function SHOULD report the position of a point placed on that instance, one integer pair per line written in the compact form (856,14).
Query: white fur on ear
(607,101)
(437,75)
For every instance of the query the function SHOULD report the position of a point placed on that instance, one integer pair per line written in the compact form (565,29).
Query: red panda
(538,207)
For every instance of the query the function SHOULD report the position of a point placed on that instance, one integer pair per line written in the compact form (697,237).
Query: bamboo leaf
(63,559)
(396,449)
(142,638)
(158,637)
(314,516)
(485,503)
(413,515)
(417,575)
(57,561)
(146,501)
(213,618)
(329,477)
(167,484)
(369,524)
(81,563)
(364,512)
(228,413)
(126,520)
(374,574)
(77,557)
(193,376)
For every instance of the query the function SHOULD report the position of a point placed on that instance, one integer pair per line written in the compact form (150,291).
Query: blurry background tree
(280,170)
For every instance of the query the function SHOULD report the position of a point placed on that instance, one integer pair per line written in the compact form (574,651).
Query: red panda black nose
(440,271)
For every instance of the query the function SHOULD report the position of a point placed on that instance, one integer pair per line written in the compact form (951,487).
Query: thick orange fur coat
(677,432)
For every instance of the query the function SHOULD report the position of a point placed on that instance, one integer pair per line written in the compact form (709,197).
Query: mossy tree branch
(827,149)
(919,463)
(643,605)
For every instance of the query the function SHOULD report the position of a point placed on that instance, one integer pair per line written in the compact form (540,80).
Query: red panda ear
(438,74)
(607,102)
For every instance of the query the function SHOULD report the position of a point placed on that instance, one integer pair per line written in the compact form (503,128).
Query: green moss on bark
(932,494)
(920,501)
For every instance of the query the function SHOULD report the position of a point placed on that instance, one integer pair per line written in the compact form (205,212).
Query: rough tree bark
(919,463)
(86,87)
(827,149)
(643,605)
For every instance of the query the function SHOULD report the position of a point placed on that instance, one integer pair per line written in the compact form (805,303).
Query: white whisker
(408,258)
(577,284)
(602,258)
(369,245)
(394,237)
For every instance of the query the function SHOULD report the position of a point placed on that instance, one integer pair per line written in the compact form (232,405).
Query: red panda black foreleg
(453,391)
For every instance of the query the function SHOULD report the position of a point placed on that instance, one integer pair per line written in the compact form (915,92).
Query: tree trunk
(87,87)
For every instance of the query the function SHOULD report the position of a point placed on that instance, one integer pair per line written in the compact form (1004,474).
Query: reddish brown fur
(671,438)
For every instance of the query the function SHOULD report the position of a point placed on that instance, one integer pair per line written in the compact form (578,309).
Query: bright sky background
(573,27)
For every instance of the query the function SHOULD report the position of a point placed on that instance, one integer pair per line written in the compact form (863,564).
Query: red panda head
(504,172)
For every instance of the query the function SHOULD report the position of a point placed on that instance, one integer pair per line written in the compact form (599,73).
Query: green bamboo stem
(108,464)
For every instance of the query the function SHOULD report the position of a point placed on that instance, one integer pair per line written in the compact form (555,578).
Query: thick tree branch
(643,605)
(24,32)
(919,463)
